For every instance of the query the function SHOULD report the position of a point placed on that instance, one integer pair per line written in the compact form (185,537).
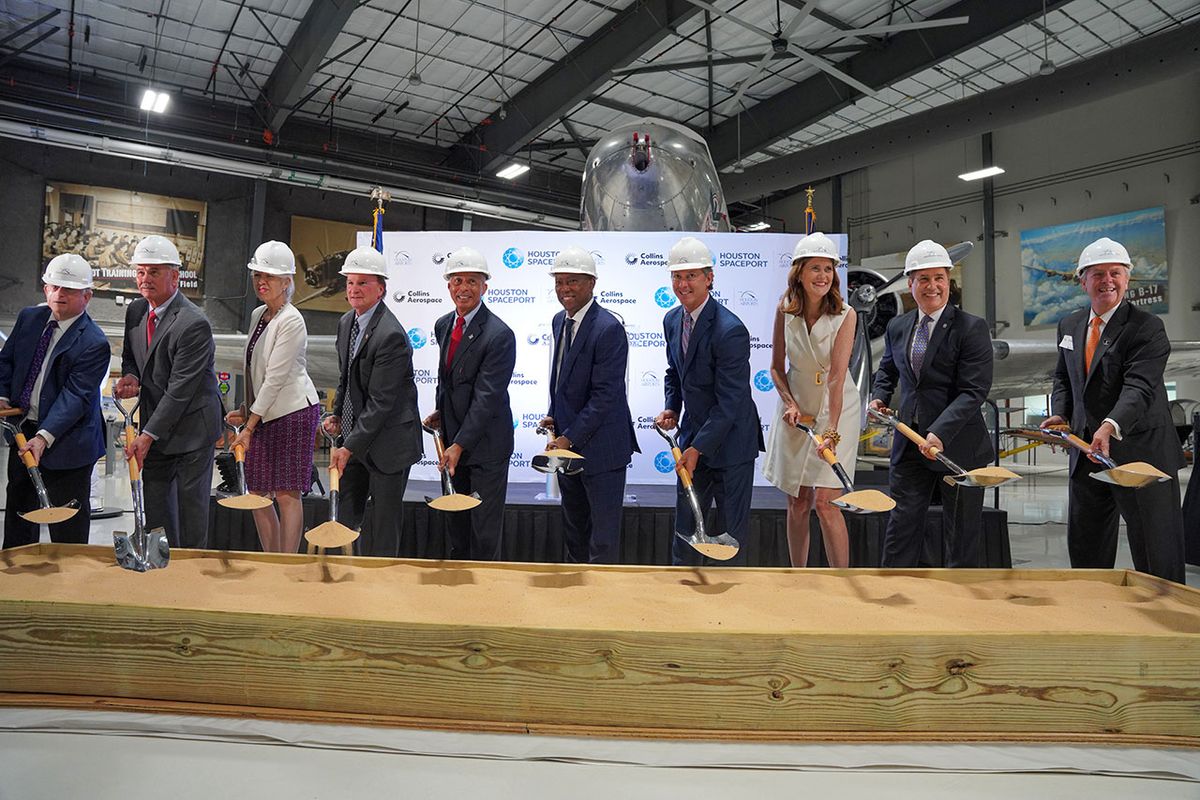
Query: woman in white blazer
(281,411)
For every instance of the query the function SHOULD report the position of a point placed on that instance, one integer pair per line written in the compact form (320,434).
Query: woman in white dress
(814,331)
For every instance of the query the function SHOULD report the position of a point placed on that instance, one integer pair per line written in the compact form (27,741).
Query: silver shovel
(1133,475)
(141,550)
(450,500)
(864,501)
(721,547)
(44,514)
(557,460)
(987,477)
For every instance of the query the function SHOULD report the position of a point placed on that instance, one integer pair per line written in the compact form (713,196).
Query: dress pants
(1153,524)
(62,485)
(592,508)
(373,500)
(731,487)
(475,535)
(912,484)
(178,489)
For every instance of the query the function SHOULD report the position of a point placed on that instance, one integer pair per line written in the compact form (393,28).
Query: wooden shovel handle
(26,457)
(135,472)
(684,476)
(913,436)
(1080,443)
(335,478)
(827,453)
(11,412)
(239,453)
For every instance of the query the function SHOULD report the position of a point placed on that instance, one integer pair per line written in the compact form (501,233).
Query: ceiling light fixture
(512,171)
(155,101)
(986,172)
(1047,67)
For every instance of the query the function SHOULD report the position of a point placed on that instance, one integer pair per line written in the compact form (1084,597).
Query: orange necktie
(1092,342)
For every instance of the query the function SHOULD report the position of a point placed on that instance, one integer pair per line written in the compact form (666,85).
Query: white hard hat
(816,245)
(1102,251)
(155,249)
(364,261)
(466,259)
(70,271)
(273,258)
(574,259)
(689,253)
(926,254)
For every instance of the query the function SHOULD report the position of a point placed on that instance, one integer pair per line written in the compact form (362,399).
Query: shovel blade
(453,502)
(131,556)
(718,548)
(865,501)
(245,502)
(1133,475)
(52,515)
(331,535)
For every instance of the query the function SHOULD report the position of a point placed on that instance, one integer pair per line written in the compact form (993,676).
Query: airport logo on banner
(762,381)
(418,338)
(509,296)
(742,260)
(400,258)
(664,297)
(513,258)
(747,298)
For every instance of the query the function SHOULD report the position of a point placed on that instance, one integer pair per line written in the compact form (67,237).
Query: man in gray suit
(375,410)
(168,359)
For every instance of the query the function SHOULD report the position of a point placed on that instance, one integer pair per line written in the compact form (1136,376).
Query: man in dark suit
(940,359)
(375,410)
(52,365)
(478,353)
(708,379)
(167,359)
(589,410)
(1109,387)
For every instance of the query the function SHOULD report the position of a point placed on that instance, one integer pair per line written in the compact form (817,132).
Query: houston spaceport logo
(513,258)
(664,463)
(664,297)
(762,381)
(418,338)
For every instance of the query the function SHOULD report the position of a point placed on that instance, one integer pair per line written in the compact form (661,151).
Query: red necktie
(455,338)
(151,322)
(1092,343)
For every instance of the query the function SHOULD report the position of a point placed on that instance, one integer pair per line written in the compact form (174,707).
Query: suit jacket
(956,377)
(179,401)
(588,398)
(712,386)
(472,394)
(1125,383)
(69,401)
(379,380)
(279,382)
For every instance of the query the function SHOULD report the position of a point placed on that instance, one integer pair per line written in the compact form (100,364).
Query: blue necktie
(687,332)
(920,344)
(35,369)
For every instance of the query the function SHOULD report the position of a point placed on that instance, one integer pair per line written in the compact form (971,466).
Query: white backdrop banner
(634,284)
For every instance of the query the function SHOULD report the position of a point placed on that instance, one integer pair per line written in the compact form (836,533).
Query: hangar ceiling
(440,94)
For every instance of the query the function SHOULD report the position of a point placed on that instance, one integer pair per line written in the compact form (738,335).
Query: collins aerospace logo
(762,381)
(438,258)
(664,463)
(513,258)
(631,258)
(418,338)
(664,297)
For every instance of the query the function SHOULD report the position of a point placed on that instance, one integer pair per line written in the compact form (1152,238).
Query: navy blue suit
(711,385)
(472,401)
(68,408)
(590,406)
(945,398)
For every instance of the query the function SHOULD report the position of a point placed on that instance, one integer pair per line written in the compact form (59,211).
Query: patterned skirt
(280,458)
